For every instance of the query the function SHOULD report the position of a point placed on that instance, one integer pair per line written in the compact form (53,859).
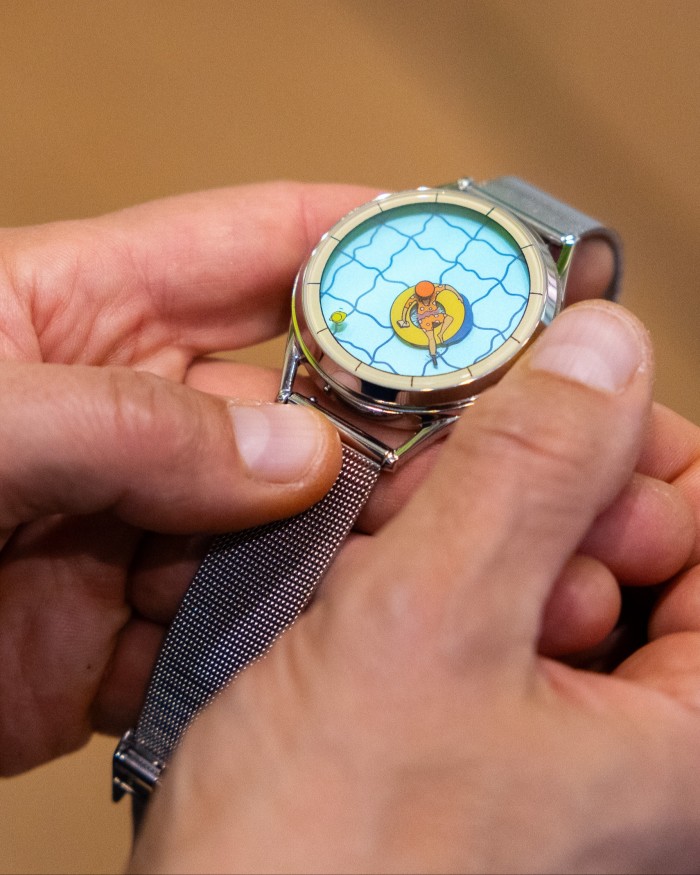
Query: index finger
(207,271)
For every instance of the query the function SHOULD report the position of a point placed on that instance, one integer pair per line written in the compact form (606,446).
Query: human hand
(407,722)
(101,445)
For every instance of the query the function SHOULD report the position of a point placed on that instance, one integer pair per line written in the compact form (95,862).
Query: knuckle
(147,414)
(133,405)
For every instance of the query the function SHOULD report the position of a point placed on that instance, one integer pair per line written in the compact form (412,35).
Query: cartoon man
(431,317)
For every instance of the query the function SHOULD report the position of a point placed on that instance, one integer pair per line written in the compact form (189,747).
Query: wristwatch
(406,310)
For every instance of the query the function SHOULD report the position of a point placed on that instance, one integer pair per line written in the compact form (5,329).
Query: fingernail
(597,346)
(277,442)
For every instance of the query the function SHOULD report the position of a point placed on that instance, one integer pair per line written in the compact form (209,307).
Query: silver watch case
(371,391)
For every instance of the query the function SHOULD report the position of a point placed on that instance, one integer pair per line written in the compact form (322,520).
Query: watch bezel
(369,388)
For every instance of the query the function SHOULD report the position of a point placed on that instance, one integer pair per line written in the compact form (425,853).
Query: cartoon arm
(446,288)
(403,321)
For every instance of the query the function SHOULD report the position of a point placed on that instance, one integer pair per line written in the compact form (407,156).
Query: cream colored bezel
(312,330)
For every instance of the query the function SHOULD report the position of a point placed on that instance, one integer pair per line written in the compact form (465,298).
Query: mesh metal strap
(250,587)
(549,214)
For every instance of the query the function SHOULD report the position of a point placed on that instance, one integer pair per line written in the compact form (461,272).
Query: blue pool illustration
(424,289)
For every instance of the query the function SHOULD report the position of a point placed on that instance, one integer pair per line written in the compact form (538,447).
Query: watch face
(424,291)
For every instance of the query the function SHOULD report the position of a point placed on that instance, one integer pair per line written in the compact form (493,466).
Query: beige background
(105,104)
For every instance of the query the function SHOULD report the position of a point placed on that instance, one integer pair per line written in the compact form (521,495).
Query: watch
(407,309)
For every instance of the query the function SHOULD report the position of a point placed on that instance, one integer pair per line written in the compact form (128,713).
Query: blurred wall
(105,104)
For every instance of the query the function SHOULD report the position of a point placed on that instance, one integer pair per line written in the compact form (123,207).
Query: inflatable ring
(452,303)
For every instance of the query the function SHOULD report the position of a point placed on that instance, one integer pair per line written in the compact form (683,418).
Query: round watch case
(417,301)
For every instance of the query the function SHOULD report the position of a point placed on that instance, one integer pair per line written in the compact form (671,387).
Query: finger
(678,608)
(61,608)
(670,664)
(671,452)
(581,610)
(592,270)
(202,272)
(162,572)
(80,440)
(671,445)
(520,481)
(646,535)
(229,379)
(121,694)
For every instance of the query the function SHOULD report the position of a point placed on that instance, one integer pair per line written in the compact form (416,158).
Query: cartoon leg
(441,329)
(432,347)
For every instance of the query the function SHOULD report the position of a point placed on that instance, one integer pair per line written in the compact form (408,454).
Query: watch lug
(387,457)
(426,435)
(564,260)
(373,448)
(293,357)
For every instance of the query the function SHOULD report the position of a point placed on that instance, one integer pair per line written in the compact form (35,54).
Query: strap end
(135,770)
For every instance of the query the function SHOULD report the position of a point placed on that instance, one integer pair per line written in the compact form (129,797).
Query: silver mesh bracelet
(250,587)
(561,225)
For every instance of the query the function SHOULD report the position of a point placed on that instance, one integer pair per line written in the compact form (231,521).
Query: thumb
(521,479)
(79,440)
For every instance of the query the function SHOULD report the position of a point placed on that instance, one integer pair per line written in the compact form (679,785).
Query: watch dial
(424,289)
